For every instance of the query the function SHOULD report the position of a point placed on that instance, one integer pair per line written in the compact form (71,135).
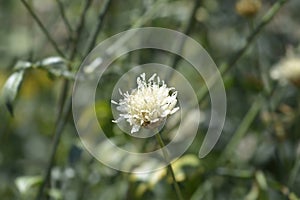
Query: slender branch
(257,63)
(57,135)
(265,20)
(187,31)
(79,29)
(294,172)
(242,129)
(170,168)
(43,28)
(232,62)
(148,15)
(74,46)
(64,17)
(296,168)
(92,40)
(203,92)
(65,104)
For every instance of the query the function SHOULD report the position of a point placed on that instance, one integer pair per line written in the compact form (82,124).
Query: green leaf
(52,61)
(55,194)
(21,65)
(57,66)
(261,180)
(25,183)
(11,88)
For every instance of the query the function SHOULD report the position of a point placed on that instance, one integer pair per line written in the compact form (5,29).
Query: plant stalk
(43,28)
(170,168)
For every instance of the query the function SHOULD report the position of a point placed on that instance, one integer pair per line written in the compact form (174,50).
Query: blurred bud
(287,70)
(248,8)
(202,15)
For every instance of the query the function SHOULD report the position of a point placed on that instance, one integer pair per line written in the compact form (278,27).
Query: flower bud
(248,8)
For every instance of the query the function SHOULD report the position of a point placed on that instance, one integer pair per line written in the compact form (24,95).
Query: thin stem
(296,168)
(260,69)
(187,30)
(43,28)
(65,108)
(166,156)
(265,20)
(242,129)
(232,62)
(79,29)
(294,172)
(93,38)
(65,105)
(64,17)
(83,188)
(203,189)
(149,14)
(74,47)
(57,135)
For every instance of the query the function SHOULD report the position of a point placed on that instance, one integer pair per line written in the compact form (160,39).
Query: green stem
(166,156)
(265,20)
(64,17)
(79,29)
(65,104)
(232,62)
(260,68)
(92,40)
(149,14)
(41,25)
(296,168)
(187,31)
(294,172)
(242,129)
(61,122)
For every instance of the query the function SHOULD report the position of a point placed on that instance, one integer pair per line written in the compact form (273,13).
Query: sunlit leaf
(52,61)
(293,196)
(188,162)
(57,66)
(261,180)
(253,194)
(25,183)
(55,194)
(21,65)
(10,89)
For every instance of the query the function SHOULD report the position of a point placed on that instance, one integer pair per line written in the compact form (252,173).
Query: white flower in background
(288,69)
(148,105)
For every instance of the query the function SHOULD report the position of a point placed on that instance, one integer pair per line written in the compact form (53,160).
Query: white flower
(288,69)
(148,105)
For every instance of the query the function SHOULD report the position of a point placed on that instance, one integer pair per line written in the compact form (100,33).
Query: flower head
(148,105)
(288,69)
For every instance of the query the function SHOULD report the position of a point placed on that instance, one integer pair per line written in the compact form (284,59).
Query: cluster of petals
(287,70)
(148,105)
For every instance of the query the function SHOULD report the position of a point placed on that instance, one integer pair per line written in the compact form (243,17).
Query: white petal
(135,128)
(152,77)
(174,110)
(114,102)
(120,91)
(154,120)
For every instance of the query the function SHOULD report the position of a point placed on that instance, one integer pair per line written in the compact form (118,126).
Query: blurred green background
(258,154)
